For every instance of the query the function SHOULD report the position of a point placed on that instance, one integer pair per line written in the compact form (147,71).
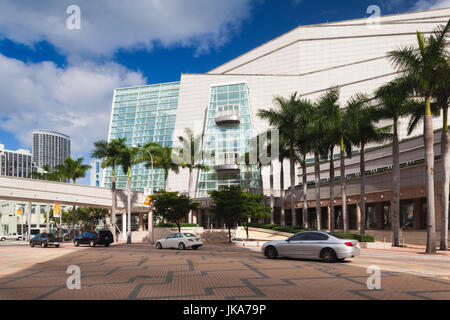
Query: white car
(11,236)
(180,240)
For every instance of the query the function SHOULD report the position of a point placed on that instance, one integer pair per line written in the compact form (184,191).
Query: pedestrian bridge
(19,189)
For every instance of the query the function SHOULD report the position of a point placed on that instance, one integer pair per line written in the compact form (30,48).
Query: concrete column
(141,222)
(47,218)
(358,216)
(124,225)
(151,233)
(417,213)
(329,217)
(28,220)
(379,215)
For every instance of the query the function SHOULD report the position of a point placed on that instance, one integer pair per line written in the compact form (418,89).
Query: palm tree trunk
(113,205)
(362,202)
(396,187)
(343,188)
(166,179)
(332,215)
(191,179)
(272,199)
(129,205)
(292,171)
(317,182)
(445,143)
(305,194)
(429,156)
(282,213)
(247,176)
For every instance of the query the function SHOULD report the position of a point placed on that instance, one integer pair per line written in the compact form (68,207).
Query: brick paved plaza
(213,272)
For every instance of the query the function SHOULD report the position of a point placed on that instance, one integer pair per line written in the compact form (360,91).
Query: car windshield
(189,234)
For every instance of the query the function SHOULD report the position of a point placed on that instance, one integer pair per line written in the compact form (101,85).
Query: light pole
(150,215)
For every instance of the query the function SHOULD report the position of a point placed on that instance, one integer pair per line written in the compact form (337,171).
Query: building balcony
(228,120)
(227,168)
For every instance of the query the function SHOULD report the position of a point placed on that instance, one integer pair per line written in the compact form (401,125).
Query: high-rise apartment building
(15,163)
(50,148)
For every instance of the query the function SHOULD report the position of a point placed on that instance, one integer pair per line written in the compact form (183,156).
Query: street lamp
(150,220)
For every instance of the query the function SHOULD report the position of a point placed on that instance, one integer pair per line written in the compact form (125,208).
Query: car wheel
(3,239)
(158,245)
(271,252)
(44,244)
(328,255)
(75,243)
(56,245)
(31,244)
(181,246)
(92,244)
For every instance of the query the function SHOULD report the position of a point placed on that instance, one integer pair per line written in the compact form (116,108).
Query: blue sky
(59,79)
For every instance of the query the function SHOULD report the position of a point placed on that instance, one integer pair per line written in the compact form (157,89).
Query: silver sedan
(328,247)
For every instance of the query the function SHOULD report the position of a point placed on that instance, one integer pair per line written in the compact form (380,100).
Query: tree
(422,66)
(89,217)
(283,155)
(228,205)
(441,98)
(163,158)
(73,169)
(364,131)
(286,119)
(172,206)
(393,102)
(108,152)
(126,157)
(191,154)
(322,135)
(253,209)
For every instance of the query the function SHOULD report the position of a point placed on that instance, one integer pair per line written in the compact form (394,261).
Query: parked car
(180,240)
(45,239)
(11,236)
(92,238)
(326,246)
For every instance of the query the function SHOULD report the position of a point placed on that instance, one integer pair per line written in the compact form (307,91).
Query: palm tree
(364,131)
(422,66)
(283,155)
(164,158)
(341,125)
(393,103)
(73,169)
(192,154)
(108,152)
(326,136)
(126,157)
(286,119)
(441,102)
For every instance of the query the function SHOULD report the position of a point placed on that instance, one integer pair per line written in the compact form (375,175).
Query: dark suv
(45,239)
(93,238)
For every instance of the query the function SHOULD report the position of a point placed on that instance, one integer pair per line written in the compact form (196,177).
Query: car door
(169,241)
(83,238)
(298,246)
(318,241)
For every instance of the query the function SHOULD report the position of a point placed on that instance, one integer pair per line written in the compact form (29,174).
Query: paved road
(212,272)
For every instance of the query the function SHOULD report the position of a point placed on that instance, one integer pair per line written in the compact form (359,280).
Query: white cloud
(75,100)
(108,25)
(431,4)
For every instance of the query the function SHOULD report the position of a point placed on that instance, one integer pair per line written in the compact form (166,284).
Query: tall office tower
(96,173)
(15,163)
(50,148)
(143,114)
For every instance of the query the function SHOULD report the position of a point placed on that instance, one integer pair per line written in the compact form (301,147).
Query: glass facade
(227,145)
(143,114)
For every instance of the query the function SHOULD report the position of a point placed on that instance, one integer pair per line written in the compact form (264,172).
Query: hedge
(297,229)
(174,225)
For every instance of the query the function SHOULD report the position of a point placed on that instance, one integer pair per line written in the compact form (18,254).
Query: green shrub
(360,238)
(366,238)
